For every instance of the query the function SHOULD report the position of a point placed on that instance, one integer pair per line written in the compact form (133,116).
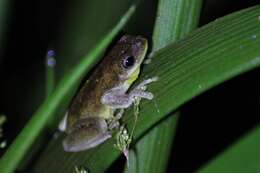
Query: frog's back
(87,101)
(108,74)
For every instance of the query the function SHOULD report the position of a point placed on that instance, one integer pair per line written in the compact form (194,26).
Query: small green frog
(100,103)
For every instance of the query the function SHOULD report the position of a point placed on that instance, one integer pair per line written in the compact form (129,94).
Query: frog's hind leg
(86,133)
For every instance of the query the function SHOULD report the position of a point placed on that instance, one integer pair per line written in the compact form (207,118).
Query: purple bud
(51,62)
(51,53)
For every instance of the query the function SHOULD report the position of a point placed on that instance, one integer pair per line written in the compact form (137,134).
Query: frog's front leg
(117,98)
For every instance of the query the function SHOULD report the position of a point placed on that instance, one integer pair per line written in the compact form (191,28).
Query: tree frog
(96,109)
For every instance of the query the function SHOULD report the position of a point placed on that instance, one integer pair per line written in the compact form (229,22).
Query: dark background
(208,124)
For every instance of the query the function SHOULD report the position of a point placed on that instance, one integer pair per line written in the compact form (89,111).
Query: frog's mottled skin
(104,92)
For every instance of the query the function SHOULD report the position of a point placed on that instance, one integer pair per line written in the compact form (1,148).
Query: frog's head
(85,134)
(127,56)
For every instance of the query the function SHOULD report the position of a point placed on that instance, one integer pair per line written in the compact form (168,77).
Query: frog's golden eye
(128,61)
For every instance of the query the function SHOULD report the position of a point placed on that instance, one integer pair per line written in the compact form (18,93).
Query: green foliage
(205,58)
(212,54)
(175,19)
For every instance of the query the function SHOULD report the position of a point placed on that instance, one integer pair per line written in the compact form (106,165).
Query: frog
(97,108)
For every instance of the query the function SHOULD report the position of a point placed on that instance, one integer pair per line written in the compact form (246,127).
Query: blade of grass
(81,31)
(243,156)
(24,140)
(209,56)
(175,18)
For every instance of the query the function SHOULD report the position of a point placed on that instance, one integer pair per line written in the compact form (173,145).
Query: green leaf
(64,90)
(213,54)
(152,151)
(175,19)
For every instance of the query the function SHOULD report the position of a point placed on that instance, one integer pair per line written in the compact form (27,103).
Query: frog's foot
(119,114)
(139,93)
(113,123)
(139,90)
(143,84)
(148,60)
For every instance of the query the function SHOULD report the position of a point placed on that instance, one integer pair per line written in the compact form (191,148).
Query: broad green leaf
(213,54)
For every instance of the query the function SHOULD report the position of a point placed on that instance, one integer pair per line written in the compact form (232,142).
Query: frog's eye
(128,61)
